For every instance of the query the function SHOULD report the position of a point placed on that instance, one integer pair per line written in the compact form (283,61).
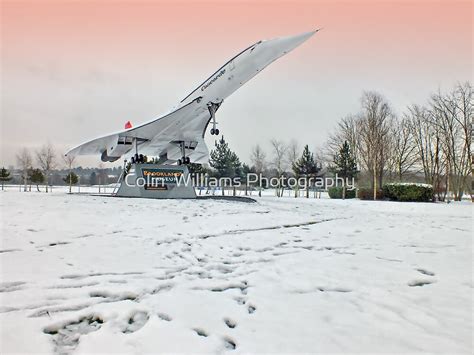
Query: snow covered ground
(89,274)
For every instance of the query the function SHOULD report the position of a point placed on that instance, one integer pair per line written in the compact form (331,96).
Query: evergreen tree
(36,177)
(71,179)
(305,167)
(345,165)
(224,160)
(196,168)
(4,176)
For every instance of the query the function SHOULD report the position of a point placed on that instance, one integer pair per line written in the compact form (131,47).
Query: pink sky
(71,63)
(80,31)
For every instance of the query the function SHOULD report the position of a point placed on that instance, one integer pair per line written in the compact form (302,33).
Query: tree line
(286,160)
(431,140)
(43,167)
(429,143)
(36,168)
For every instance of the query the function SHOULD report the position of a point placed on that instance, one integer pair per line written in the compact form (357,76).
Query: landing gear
(139,159)
(184,160)
(212,110)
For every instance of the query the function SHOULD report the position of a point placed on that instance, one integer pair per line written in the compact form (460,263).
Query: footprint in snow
(334,289)
(230,323)
(165,317)
(136,321)
(201,332)
(66,336)
(113,297)
(420,283)
(229,343)
(425,272)
(240,300)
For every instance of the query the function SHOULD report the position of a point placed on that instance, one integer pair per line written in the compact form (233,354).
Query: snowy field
(89,274)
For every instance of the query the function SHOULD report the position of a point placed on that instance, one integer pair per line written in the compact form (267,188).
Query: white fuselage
(188,121)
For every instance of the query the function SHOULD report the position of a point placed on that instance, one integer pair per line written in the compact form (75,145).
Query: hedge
(336,192)
(408,192)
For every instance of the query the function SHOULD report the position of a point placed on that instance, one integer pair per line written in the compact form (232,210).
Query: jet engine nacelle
(107,158)
(117,148)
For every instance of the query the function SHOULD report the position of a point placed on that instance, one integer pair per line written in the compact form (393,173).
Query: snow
(410,184)
(93,274)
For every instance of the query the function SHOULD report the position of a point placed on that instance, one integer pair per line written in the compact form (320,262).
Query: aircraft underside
(178,148)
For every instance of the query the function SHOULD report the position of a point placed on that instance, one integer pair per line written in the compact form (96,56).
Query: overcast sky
(72,71)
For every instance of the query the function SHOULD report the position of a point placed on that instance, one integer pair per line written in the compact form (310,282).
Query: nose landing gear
(212,110)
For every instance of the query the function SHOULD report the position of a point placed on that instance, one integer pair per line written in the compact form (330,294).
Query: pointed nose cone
(299,39)
(291,42)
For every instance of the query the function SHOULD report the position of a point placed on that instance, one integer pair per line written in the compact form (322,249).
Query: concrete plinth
(157,181)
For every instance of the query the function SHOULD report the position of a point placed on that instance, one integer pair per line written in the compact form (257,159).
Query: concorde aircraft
(178,136)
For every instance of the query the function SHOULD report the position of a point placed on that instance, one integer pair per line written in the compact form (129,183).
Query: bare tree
(346,131)
(373,133)
(25,162)
(442,135)
(258,160)
(279,161)
(464,102)
(293,154)
(368,136)
(402,155)
(430,155)
(69,161)
(452,115)
(46,159)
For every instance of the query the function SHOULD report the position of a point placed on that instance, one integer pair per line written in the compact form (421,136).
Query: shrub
(408,192)
(366,193)
(336,192)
